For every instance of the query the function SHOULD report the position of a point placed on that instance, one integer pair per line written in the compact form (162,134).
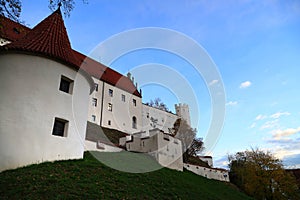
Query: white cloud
(245,84)
(279,114)
(253,125)
(287,150)
(278,134)
(221,162)
(260,117)
(270,124)
(213,82)
(282,152)
(231,103)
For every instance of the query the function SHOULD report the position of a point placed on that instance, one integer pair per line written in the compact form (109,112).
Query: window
(134,102)
(59,128)
(109,122)
(16,31)
(93,118)
(94,102)
(123,97)
(109,107)
(66,85)
(96,87)
(110,92)
(134,122)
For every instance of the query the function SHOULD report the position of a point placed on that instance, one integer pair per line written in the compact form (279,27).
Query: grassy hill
(90,179)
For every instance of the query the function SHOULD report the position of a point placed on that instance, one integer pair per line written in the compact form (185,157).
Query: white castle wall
(122,112)
(30,101)
(156,118)
(210,173)
(167,150)
(95,110)
(120,117)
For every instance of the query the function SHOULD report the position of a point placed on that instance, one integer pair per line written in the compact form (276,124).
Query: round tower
(183,111)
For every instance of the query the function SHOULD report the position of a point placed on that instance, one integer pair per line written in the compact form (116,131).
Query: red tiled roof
(106,74)
(49,38)
(11,30)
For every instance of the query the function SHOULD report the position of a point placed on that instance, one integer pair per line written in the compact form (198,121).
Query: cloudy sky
(255,46)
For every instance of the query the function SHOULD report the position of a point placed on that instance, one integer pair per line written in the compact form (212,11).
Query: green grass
(90,179)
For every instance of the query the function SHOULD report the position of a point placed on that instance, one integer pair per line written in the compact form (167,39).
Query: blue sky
(254,44)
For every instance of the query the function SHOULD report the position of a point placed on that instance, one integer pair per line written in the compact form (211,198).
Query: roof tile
(48,38)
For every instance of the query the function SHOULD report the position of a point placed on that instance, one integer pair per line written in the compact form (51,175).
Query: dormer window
(16,30)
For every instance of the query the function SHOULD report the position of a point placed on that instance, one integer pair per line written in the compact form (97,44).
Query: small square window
(110,92)
(94,102)
(123,97)
(66,85)
(134,102)
(109,107)
(93,118)
(60,127)
(109,122)
(96,87)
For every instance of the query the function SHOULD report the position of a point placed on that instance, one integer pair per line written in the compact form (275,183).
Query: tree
(261,175)
(157,103)
(67,5)
(12,8)
(191,145)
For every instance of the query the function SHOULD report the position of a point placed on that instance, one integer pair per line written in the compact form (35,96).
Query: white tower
(183,111)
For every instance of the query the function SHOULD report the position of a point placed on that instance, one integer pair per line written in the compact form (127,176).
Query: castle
(49,91)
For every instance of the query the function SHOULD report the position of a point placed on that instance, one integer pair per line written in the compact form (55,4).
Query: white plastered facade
(156,118)
(30,101)
(115,108)
(210,173)
(166,149)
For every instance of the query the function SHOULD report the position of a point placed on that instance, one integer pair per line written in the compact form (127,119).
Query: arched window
(134,122)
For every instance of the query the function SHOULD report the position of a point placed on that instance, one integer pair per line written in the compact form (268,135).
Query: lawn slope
(90,179)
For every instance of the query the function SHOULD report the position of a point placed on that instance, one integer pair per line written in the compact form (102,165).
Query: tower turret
(183,111)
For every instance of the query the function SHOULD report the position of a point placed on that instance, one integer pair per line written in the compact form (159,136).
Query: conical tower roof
(48,38)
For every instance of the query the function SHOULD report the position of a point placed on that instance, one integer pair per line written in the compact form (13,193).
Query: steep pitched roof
(11,30)
(106,74)
(49,38)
